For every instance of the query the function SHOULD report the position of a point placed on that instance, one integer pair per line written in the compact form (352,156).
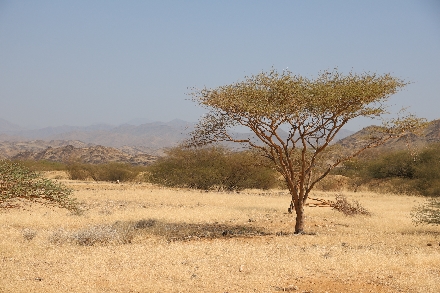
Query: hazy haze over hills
(139,144)
(6,126)
(153,135)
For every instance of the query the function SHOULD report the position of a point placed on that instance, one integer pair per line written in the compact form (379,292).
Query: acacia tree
(293,120)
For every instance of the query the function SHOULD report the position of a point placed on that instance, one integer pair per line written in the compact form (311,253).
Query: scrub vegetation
(17,183)
(402,171)
(213,168)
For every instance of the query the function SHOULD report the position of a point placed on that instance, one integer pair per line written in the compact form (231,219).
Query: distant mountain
(343,133)
(11,148)
(154,135)
(150,137)
(91,155)
(7,127)
(139,121)
(52,132)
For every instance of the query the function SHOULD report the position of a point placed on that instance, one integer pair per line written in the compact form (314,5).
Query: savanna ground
(143,238)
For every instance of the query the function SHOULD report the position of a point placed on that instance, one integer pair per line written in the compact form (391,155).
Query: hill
(90,154)
(12,148)
(431,134)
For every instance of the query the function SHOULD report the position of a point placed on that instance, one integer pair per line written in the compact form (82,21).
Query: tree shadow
(187,231)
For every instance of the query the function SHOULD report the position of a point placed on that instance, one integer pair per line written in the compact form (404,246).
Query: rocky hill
(136,144)
(431,134)
(90,154)
(139,144)
(11,148)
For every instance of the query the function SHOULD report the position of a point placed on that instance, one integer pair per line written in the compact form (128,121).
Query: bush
(214,167)
(78,171)
(397,164)
(16,181)
(42,165)
(103,172)
(123,232)
(120,232)
(397,171)
(28,234)
(99,234)
(349,209)
(427,213)
(427,171)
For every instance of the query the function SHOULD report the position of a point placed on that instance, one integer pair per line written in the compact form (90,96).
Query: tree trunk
(299,225)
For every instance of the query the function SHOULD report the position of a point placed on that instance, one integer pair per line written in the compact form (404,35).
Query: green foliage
(427,213)
(79,171)
(104,172)
(214,167)
(427,173)
(17,181)
(273,93)
(397,164)
(42,165)
(405,172)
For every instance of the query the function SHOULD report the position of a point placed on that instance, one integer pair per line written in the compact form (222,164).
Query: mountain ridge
(142,144)
(96,154)
(430,134)
(154,135)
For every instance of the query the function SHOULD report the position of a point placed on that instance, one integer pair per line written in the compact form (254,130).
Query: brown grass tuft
(29,234)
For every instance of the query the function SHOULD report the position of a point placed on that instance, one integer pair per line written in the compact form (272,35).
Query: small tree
(18,182)
(294,119)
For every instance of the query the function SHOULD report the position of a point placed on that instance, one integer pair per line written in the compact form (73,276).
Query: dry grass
(141,238)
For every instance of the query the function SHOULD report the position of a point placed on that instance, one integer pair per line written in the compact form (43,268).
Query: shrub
(427,213)
(396,164)
(120,232)
(103,172)
(349,209)
(28,234)
(333,183)
(78,171)
(427,171)
(123,232)
(117,233)
(397,171)
(214,167)
(16,181)
(42,165)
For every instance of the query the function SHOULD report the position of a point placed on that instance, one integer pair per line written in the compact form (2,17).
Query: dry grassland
(192,241)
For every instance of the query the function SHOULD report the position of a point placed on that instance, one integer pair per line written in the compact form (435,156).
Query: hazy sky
(85,62)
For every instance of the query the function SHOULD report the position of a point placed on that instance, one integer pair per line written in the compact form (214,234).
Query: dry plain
(179,240)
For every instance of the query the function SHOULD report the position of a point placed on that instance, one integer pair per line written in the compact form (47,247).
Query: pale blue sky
(84,62)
